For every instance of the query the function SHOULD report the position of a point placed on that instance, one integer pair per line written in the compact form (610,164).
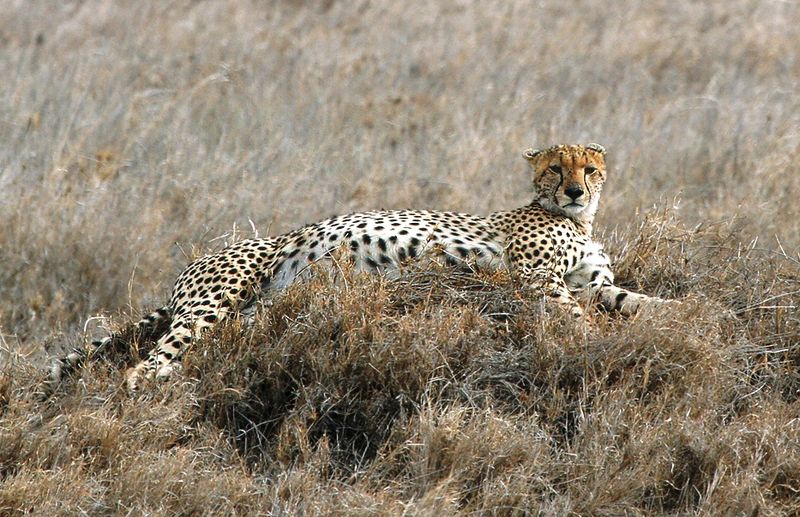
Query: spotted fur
(547,246)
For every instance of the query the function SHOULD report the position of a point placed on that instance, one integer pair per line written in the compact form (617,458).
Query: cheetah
(546,246)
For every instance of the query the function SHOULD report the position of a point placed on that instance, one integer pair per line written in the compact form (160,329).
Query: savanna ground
(137,135)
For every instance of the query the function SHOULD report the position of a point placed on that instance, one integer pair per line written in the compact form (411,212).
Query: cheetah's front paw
(134,376)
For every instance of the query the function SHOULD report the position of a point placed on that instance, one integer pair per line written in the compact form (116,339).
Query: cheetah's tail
(151,327)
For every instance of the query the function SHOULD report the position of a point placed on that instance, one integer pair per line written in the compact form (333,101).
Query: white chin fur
(551,206)
(575,212)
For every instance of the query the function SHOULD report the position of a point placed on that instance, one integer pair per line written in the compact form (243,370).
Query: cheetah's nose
(574,191)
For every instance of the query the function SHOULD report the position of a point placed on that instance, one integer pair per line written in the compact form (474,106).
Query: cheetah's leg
(554,288)
(173,344)
(150,326)
(592,279)
(196,316)
(627,302)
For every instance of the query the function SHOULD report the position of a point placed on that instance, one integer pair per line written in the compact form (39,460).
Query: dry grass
(129,127)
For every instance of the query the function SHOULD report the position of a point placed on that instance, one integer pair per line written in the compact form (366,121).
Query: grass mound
(445,391)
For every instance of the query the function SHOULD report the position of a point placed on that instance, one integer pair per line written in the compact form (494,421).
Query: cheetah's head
(567,179)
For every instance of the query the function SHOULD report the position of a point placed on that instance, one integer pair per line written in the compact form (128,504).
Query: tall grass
(137,135)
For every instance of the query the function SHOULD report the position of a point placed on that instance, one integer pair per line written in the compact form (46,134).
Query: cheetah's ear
(530,154)
(597,148)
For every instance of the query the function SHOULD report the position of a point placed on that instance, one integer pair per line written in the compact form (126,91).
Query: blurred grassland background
(137,135)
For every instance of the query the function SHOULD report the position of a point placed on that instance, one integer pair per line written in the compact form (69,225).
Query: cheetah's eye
(555,168)
(589,170)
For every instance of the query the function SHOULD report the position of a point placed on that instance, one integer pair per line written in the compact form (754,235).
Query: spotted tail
(151,327)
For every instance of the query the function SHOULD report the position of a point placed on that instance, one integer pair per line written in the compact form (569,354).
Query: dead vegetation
(132,126)
(443,391)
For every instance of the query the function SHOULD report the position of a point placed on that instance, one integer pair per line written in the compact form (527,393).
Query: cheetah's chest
(536,239)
